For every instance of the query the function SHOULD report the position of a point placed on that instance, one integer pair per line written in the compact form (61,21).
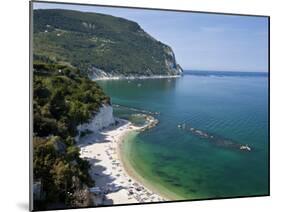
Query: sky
(200,41)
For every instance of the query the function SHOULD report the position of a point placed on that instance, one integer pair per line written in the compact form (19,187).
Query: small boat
(245,147)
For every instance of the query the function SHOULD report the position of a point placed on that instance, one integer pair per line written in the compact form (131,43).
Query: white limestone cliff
(101,120)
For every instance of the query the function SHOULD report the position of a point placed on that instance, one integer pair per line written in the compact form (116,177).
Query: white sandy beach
(102,151)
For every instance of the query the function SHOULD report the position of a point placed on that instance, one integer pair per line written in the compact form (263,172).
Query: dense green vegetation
(91,41)
(62,100)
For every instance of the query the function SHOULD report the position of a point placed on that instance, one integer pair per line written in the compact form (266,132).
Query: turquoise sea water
(233,106)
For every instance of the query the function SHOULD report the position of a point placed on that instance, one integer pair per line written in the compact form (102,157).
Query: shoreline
(163,192)
(135,77)
(114,181)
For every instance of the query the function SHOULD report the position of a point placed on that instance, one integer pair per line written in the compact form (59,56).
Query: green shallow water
(179,163)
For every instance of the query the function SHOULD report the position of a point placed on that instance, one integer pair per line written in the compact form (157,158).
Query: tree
(58,107)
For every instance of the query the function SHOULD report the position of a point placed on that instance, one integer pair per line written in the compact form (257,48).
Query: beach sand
(102,150)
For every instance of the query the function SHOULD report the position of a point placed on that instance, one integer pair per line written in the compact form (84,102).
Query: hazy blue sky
(200,41)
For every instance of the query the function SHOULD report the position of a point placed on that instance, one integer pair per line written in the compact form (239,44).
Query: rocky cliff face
(170,61)
(101,120)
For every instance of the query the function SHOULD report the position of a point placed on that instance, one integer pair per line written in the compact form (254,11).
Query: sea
(229,108)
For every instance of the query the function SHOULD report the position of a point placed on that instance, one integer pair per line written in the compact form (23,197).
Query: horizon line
(214,70)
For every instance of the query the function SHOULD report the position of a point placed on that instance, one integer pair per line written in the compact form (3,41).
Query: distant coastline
(188,72)
(136,77)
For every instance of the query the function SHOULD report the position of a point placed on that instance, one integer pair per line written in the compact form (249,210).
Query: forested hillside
(100,45)
(62,99)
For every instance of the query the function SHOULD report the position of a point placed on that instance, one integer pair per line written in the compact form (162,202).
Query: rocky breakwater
(217,140)
(149,121)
